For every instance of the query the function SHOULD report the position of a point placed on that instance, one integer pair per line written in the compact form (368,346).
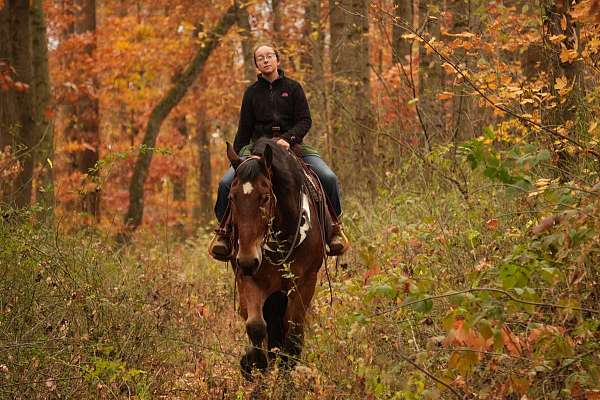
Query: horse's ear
(268,156)
(234,159)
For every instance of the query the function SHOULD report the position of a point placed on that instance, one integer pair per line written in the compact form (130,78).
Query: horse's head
(252,203)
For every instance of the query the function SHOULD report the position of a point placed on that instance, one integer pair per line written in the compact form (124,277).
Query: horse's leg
(298,303)
(273,311)
(252,297)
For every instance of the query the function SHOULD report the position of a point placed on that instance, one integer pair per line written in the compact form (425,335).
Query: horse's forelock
(250,170)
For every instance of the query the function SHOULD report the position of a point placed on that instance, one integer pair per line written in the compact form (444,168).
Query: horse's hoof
(253,359)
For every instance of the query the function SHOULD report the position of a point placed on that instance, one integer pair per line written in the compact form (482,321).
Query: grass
(82,319)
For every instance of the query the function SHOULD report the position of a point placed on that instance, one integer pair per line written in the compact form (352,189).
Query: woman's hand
(283,143)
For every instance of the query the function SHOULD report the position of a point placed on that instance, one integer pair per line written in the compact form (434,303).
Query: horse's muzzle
(249,265)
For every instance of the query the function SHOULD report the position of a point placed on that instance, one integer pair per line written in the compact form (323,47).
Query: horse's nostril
(249,266)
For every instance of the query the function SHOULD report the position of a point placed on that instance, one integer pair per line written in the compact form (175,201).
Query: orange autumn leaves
(491,341)
(7,73)
(488,336)
(587,11)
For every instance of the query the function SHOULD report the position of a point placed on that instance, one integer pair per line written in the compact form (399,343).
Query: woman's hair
(264,45)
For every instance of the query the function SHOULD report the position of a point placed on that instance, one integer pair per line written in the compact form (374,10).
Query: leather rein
(271,216)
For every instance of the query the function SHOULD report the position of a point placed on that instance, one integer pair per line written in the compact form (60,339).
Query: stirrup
(339,243)
(219,247)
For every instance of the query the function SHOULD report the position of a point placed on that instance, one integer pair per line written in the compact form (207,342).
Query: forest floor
(81,318)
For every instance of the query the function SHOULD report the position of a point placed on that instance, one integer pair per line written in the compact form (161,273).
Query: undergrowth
(486,292)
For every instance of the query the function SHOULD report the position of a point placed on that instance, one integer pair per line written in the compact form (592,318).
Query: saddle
(278,251)
(325,214)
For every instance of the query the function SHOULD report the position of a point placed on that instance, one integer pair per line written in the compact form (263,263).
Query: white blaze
(247,188)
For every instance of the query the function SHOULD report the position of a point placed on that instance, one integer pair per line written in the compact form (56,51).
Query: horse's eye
(265,199)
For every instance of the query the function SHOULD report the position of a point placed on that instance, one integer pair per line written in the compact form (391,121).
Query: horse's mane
(286,171)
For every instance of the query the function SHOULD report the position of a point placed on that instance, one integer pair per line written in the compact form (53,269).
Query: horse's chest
(279,249)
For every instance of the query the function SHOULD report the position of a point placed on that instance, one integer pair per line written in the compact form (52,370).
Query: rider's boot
(338,242)
(220,245)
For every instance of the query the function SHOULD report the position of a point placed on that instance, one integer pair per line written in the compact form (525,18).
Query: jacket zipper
(273,113)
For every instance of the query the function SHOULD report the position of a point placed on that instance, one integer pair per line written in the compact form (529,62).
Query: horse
(278,254)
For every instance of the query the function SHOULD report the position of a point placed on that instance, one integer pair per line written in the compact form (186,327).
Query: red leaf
(49,113)
(374,270)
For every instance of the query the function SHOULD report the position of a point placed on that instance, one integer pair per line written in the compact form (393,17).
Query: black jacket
(267,104)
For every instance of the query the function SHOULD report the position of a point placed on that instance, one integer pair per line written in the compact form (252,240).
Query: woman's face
(266,60)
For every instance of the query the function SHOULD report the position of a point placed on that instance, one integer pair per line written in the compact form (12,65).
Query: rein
(296,234)
(272,214)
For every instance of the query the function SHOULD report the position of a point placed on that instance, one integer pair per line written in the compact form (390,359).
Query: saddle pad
(305,225)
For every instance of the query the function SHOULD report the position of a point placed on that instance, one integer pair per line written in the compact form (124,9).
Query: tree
(460,14)
(133,217)
(243,23)
(353,135)
(565,66)
(44,134)
(277,12)
(431,77)
(312,60)
(565,72)
(7,102)
(83,127)
(203,208)
(403,11)
(7,108)
(20,30)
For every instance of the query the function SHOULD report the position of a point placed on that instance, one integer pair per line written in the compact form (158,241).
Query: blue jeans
(328,179)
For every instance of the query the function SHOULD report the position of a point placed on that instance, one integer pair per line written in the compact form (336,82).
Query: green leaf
(485,328)
(423,306)
(360,318)
(382,290)
(488,133)
(513,276)
(472,235)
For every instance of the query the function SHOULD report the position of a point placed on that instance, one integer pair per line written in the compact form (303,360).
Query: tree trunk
(7,103)
(431,77)
(558,21)
(87,114)
(44,134)
(243,23)
(135,212)
(565,73)
(82,112)
(203,210)
(460,10)
(403,11)
(277,10)
(179,179)
(20,30)
(312,59)
(353,134)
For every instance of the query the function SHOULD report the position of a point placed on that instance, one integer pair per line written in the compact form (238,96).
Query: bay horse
(278,254)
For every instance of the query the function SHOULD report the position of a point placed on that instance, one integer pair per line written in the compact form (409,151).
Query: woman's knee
(329,178)
(224,185)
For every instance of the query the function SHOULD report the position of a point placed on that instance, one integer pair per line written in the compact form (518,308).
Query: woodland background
(466,137)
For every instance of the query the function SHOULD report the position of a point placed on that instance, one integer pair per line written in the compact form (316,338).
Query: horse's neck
(288,206)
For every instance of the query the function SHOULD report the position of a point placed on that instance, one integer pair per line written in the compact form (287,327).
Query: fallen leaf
(492,224)
(545,224)
(511,342)
(372,271)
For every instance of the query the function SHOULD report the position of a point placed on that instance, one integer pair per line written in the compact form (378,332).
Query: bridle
(271,235)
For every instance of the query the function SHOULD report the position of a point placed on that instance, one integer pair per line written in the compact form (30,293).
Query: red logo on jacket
(284,94)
